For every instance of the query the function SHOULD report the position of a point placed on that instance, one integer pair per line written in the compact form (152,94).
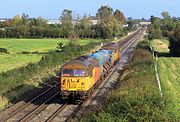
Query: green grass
(13,60)
(160,45)
(86,41)
(30,45)
(136,97)
(40,45)
(169,72)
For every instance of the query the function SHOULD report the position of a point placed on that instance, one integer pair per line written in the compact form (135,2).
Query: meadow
(39,45)
(11,61)
(169,72)
(15,47)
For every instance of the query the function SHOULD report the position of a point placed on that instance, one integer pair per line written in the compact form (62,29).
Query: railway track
(36,100)
(124,51)
(27,111)
(67,115)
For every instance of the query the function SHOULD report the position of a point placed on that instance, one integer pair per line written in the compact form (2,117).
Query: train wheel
(61,97)
(72,98)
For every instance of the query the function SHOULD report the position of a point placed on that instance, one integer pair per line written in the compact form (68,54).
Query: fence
(155,68)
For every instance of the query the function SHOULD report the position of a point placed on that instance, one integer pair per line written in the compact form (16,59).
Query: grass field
(161,45)
(169,72)
(13,60)
(40,45)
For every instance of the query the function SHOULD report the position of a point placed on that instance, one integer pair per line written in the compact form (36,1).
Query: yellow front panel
(76,83)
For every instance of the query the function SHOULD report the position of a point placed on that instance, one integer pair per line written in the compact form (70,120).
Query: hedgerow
(136,97)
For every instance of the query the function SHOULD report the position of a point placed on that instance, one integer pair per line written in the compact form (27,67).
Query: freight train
(79,77)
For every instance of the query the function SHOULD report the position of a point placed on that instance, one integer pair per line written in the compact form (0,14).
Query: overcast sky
(51,9)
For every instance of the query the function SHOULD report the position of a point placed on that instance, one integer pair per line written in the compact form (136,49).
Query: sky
(51,9)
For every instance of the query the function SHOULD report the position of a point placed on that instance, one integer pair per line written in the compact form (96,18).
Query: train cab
(79,75)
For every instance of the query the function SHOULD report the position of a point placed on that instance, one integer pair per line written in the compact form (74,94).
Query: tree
(16,20)
(175,42)
(165,15)
(119,16)
(109,25)
(154,29)
(24,19)
(167,24)
(131,24)
(104,13)
(84,27)
(157,23)
(67,26)
(38,22)
(117,28)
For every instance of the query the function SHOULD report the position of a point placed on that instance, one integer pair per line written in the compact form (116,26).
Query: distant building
(94,22)
(2,20)
(125,25)
(53,21)
(144,23)
(74,22)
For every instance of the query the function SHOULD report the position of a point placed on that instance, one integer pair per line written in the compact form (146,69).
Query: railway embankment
(136,95)
(168,70)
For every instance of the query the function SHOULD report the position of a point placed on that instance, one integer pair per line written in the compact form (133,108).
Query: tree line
(168,27)
(110,24)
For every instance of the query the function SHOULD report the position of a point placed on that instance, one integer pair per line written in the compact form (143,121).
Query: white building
(74,22)
(53,21)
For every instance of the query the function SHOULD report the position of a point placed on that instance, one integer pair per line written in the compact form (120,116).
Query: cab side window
(79,72)
(67,72)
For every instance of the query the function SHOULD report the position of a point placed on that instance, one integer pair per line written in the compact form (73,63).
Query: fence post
(156,71)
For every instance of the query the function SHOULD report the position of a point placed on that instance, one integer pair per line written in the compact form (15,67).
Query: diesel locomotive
(79,77)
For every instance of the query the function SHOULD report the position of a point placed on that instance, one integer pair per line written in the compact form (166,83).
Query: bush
(143,45)
(175,42)
(3,50)
(156,34)
(136,97)
(174,47)
(26,52)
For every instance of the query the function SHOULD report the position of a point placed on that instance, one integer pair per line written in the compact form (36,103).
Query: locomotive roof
(81,62)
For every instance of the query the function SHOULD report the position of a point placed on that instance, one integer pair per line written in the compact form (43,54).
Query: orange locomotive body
(80,76)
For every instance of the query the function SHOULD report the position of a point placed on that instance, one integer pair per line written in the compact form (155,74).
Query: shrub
(26,52)
(3,50)
(175,42)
